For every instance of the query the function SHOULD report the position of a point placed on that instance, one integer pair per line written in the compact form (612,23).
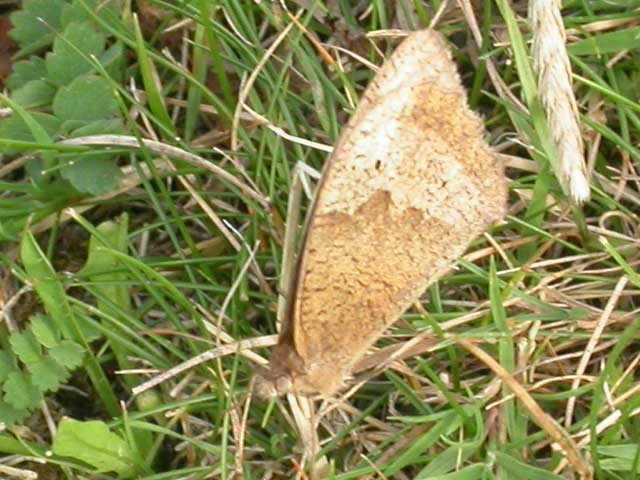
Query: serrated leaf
(93,443)
(19,392)
(46,284)
(51,291)
(34,93)
(9,416)
(26,70)
(47,374)
(75,12)
(94,174)
(68,353)
(32,25)
(44,331)
(6,365)
(26,347)
(70,51)
(86,99)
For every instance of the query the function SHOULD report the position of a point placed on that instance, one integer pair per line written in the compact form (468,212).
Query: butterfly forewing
(410,184)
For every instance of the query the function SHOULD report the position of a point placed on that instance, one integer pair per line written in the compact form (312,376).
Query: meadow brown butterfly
(409,185)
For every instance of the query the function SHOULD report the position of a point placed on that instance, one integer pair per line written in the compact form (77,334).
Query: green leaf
(92,442)
(50,192)
(610,42)
(114,62)
(472,472)
(86,99)
(37,132)
(34,93)
(155,98)
(10,416)
(74,11)
(70,51)
(628,269)
(46,283)
(68,353)
(44,331)
(627,451)
(102,264)
(14,128)
(111,126)
(447,461)
(26,347)
(50,290)
(6,365)
(517,470)
(89,329)
(421,444)
(546,152)
(95,174)
(617,464)
(620,457)
(32,25)
(35,129)
(26,70)
(47,375)
(19,392)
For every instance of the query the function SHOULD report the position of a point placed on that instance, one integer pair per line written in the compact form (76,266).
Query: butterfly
(409,185)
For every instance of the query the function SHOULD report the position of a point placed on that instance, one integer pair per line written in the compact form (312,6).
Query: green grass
(167,279)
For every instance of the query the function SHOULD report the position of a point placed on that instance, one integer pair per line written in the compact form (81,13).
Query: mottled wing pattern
(410,184)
